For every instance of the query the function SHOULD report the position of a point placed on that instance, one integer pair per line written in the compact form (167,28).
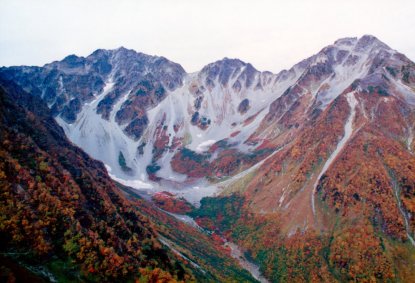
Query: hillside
(64,219)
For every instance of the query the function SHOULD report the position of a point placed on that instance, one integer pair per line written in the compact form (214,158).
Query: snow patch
(410,140)
(348,131)
(102,139)
(166,171)
(204,146)
(136,184)
(344,76)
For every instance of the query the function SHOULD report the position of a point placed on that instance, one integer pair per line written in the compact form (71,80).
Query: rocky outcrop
(243,106)
(68,84)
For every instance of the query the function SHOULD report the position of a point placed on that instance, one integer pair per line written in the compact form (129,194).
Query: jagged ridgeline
(312,167)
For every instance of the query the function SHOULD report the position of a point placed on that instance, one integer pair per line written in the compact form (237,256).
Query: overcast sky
(272,35)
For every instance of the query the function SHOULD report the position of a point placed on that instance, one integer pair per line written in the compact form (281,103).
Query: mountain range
(309,170)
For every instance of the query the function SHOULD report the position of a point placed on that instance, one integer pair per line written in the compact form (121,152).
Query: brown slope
(381,115)
(363,222)
(58,204)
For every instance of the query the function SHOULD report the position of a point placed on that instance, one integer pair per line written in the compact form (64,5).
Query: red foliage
(169,202)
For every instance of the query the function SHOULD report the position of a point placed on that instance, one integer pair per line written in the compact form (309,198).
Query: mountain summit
(310,159)
(122,103)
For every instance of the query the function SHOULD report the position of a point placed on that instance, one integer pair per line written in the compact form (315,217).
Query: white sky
(272,35)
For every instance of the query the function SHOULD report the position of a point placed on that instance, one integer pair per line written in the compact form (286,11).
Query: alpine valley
(121,166)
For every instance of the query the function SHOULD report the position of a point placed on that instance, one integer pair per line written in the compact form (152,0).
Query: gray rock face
(66,85)
(151,106)
(243,106)
(227,70)
(147,93)
(368,57)
(369,42)
(198,102)
(132,69)
(137,126)
(62,84)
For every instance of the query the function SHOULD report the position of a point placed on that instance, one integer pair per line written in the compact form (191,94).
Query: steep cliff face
(146,108)
(102,100)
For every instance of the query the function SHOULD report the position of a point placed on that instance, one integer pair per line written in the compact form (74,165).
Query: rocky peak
(368,43)
(350,53)
(73,60)
(122,53)
(134,65)
(347,41)
(225,70)
(69,64)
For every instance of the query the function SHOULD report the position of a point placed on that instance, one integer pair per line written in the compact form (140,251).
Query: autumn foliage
(171,203)
(56,202)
